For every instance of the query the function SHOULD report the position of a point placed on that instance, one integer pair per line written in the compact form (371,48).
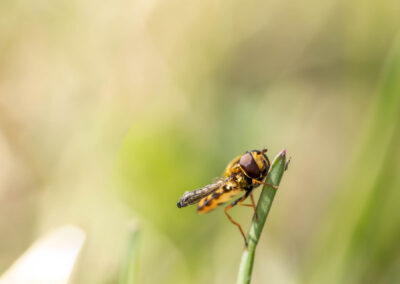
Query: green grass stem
(128,272)
(264,205)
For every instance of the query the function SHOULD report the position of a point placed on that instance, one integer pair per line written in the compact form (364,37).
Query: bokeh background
(110,110)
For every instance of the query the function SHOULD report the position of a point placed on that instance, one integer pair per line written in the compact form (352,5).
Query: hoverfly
(242,175)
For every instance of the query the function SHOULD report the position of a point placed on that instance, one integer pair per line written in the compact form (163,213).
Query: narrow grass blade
(128,272)
(358,240)
(264,205)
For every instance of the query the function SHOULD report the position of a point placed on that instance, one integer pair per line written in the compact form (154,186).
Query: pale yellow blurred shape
(8,166)
(49,260)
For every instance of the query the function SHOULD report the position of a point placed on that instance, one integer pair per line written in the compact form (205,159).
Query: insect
(242,175)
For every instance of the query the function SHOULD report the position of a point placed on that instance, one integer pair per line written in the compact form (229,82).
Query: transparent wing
(193,197)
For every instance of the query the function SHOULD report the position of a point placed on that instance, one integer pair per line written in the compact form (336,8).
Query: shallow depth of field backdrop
(110,110)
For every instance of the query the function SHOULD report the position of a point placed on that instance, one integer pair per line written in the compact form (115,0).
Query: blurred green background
(110,110)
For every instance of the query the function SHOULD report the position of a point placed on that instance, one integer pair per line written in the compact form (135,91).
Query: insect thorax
(239,180)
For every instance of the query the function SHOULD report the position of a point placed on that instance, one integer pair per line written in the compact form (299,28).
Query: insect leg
(253,205)
(230,206)
(287,164)
(260,182)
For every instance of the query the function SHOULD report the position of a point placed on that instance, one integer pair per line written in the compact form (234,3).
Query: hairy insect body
(219,197)
(242,175)
(237,180)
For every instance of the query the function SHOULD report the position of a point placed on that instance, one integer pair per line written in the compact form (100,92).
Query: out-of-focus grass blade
(359,242)
(129,267)
(264,205)
(49,260)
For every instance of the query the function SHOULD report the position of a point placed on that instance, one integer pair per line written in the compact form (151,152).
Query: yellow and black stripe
(219,197)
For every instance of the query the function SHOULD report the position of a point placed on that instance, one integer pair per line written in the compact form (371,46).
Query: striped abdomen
(219,197)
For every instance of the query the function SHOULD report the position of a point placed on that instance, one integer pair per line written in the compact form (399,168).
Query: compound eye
(249,166)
